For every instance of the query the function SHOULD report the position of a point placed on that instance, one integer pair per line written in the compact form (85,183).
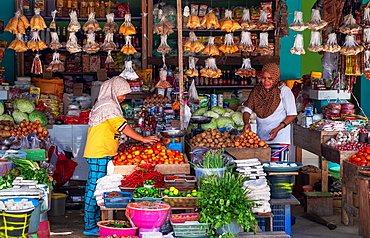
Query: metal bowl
(200,119)
(175,133)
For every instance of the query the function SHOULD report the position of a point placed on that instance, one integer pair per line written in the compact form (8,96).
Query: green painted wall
(6,13)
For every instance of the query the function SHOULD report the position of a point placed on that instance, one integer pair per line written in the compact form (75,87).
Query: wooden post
(149,39)
(324,174)
(144,34)
(181,69)
(363,195)
(298,154)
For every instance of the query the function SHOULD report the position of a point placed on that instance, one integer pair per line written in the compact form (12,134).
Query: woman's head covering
(262,101)
(107,105)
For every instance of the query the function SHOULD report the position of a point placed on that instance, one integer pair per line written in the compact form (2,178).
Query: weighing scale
(199,120)
(173,134)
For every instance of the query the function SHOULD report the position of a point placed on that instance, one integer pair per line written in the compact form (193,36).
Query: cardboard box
(175,123)
(77,89)
(246,92)
(305,178)
(227,95)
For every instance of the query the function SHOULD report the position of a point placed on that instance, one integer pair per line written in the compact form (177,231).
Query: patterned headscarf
(262,101)
(107,105)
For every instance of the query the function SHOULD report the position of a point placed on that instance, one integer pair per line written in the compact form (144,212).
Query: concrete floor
(303,228)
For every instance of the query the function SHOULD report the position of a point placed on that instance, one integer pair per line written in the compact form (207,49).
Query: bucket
(118,231)
(201,172)
(233,103)
(58,204)
(281,186)
(290,82)
(5,167)
(232,227)
(35,219)
(44,230)
(279,152)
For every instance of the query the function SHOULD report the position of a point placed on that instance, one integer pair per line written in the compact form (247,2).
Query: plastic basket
(119,231)
(201,172)
(281,216)
(181,182)
(182,201)
(150,199)
(281,186)
(127,189)
(120,201)
(5,167)
(190,228)
(192,217)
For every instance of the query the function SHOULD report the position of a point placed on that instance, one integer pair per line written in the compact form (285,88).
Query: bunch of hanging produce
(74,25)
(56,65)
(227,23)
(163,47)
(91,24)
(18,24)
(210,21)
(193,45)
(229,45)
(91,45)
(298,24)
(246,70)
(331,44)
(72,45)
(108,43)
(192,71)
(128,48)
(54,44)
(163,27)
(315,42)
(263,24)
(110,26)
(37,23)
(246,22)
(210,69)
(350,46)
(246,43)
(18,44)
(127,28)
(297,48)
(211,49)
(349,26)
(35,43)
(316,23)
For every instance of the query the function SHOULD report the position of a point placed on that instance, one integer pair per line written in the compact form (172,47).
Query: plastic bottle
(309,114)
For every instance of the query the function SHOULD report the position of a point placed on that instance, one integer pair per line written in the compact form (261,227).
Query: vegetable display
(362,158)
(24,105)
(142,173)
(147,192)
(222,117)
(37,115)
(25,128)
(212,159)
(155,154)
(213,139)
(249,139)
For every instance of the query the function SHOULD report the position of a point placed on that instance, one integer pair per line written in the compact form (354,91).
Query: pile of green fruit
(174,192)
(147,192)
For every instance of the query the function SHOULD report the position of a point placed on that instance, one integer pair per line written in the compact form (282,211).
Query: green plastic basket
(190,228)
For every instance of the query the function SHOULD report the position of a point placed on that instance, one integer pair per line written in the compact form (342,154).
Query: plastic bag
(36,65)
(210,20)
(91,24)
(349,25)
(367,61)
(315,42)
(163,47)
(128,48)
(227,23)
(193,45)
(110,26)
(35,43)
(365,22)
(263,46)
(164,27)
(56,65)
(18,44)
(35,143)
(25,145)
(74,25)
(37,23)
(192,71)
(54,44)
(246,70)
(246,22)
(263,24)
(72,46)
(211,49)
(210,69)
(246,42)
(193,20)
(316,23)
(127,28)
(298,24)
(297,48)
(163,83)
(129,73)
(53,25)
(108,43)
(193,94)
(331,44)
(350,46)
(91,45)
(229,45)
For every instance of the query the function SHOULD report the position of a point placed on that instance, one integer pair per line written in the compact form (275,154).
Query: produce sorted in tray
(91,24)
(246,22)
(362,158)
(155,154)
(18,44)
(142,173)
(210,49)
(143,192)
(25,128)
(127,28)
(213,138)
(249,139)
(227,23)
(37,22)
(110,26)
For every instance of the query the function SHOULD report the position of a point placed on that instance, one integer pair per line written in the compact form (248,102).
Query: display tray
(162,168)
(335,155)
(282,169)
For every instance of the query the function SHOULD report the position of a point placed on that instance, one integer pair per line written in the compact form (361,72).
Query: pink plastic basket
(109,231)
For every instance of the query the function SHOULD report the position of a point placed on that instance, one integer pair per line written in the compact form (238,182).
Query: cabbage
(19,116)
(238,118)
(212,125)
(228,114)
(240,128)
(218,110)
(1,108)
(190,127)
(199,112)
(6,117)
(211,114)
(222,121)
(37,115)
(229,110)
(24,105)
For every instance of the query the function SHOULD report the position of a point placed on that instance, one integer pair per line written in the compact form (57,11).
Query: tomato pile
(362,158)
(155,154)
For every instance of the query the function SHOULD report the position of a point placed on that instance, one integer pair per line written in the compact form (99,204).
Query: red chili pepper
(143,172)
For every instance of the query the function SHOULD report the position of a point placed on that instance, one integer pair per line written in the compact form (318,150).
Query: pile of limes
(174,192)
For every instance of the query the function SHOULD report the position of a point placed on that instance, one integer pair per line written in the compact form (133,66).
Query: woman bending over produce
(106,122)
(274,105)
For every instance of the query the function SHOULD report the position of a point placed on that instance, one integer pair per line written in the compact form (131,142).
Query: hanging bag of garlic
(315,42)
(56,65)
(163,47)
(350,46)
(263,24)
(74,25)
(163,27)
(129,72)
(110,26)
(246,70)
(298,24)
(192,71)
(210,21)
(18,44)
(331,44)
(91,45)
(228,46)
(72,46)
(91,24)
(316,23)
(246,22)
(227,23)
(128,49)
(193,45)
(297,48)
(263,46)
(35,43)
(211,49)
(108,43)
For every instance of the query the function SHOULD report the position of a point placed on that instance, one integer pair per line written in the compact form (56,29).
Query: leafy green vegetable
(37,115)
(219,110)
(19,116)
(25,105)
(222,121)
(213,159)
(199,112)
(211,114)
(238,118)
(212,125)
(6,117)
(1,108)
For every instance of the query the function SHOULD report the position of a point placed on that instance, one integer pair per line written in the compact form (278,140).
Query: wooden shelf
(220,60)
(85,19)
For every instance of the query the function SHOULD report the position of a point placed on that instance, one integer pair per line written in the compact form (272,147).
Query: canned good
(213,100)
(220,97)
(214,103)
(220,103)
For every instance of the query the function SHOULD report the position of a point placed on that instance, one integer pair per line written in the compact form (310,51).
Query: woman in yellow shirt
(106,122)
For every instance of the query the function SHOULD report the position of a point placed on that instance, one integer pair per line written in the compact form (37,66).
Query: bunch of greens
(224,199)
(213,159)
(29,170)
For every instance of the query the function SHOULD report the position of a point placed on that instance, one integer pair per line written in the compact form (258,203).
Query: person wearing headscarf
(274,105)
(106,122)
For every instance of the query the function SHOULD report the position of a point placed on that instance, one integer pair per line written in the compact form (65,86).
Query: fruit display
(249,139)
(362,158)
(147,192)
(174,192)
(155,154)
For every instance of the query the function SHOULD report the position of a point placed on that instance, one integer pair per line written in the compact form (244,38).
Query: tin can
(220,97)
(220,103)
(213,100)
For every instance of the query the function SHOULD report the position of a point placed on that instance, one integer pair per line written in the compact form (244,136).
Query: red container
(191,217)
(109,231)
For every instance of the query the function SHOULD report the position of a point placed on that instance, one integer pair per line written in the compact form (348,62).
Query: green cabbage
(211,114)
(222,121)
(1,108)
(238,118)
(37,115)
(24,105)
(190,127)
(218,110)
(240,128)
(19,116)
(212,125)
(199,112)
(229,110)
(6,117)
